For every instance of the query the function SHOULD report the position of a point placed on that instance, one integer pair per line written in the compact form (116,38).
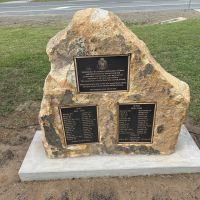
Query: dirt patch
(131,17)
(6,156)
(158,16)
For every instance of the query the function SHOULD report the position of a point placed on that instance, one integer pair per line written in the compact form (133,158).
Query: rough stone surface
(99,32)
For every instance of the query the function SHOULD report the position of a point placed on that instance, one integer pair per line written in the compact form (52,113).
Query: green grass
(2,1)
(24,63)
(45,0)
(177,48)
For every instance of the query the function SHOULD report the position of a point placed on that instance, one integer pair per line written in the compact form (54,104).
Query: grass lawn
(24,63)
(2,1)
(45,0)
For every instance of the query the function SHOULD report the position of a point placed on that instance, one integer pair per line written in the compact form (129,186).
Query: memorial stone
(106,94)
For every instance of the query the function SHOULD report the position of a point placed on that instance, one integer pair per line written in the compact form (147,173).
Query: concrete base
(36,165)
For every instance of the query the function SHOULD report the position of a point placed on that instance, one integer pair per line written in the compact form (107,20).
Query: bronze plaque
(80,124)
(102,73)
(136,122)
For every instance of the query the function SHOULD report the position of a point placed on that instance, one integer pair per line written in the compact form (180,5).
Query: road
(25,8)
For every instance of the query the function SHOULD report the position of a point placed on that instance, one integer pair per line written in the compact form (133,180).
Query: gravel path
(134,17)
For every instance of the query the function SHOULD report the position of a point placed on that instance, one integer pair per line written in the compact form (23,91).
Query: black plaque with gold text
(80,124)
(136,122)
(102,73)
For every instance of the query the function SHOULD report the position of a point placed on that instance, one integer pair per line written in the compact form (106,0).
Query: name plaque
(80,124)
(102,73)
(136,122)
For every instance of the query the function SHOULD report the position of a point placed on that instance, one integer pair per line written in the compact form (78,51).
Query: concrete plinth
(36,165)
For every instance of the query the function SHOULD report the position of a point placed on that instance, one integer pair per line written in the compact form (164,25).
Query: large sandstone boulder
(99,32)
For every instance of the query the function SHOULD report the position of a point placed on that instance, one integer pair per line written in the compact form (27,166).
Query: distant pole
(189,5)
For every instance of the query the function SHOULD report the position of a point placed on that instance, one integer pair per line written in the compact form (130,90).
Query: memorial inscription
(102,73)
(136,122)
(80,124)
(98,60)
